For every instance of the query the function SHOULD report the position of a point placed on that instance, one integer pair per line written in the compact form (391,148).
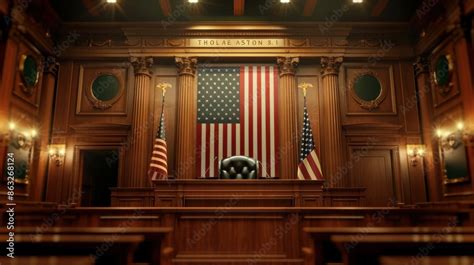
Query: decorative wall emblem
(367,90)
(104,91)
(29,68)
(443,73)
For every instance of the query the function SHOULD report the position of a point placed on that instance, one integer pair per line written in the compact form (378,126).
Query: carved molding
(142,65)
(186,65)
(422,65)
(287,65)
(330,65)
(51,66)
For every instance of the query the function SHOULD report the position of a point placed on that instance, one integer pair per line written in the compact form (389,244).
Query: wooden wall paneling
(416,174)
(87,73)
(443,101)
(422,73)
(386,76)
(377,169)
(28,100)
(63,105)
(166,74)
(453,191)
(467,92)
(44,130)
(187,118)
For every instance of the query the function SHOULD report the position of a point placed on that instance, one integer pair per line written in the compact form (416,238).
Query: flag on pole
(309,167)
(159,160)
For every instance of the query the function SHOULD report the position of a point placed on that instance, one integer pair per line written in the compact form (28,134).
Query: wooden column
(423,84)
(44,132)
(186,123)
(138,157)
(288,153)
(332,145)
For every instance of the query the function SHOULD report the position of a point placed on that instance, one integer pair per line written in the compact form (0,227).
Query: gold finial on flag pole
(163,86)
(305,87)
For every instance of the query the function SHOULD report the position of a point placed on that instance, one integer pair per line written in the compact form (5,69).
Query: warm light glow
(357,1)
(34,133)
(411,152)
(27,134)
(111,1)
(460,125)
(62,152)
(193,1)
(11,126)
(421,152)
(51,151)
(439,133)
(284,1)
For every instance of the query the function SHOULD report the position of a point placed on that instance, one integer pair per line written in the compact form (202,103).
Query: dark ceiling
(236,10)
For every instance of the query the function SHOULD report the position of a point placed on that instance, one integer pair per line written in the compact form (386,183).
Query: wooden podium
(237,193)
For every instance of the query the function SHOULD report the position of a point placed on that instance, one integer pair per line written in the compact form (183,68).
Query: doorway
(99,173)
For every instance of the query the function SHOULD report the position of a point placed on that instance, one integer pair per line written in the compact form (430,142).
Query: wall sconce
(414,152)
(57,153)
(452,138)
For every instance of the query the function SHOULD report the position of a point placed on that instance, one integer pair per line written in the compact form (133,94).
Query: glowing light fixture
(193,1)
(415,152)
(357,1)
(11,126)
(112,1)
(284,1)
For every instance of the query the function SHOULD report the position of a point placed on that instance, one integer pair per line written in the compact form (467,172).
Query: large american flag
(159,162)
(309,166)
(237,115)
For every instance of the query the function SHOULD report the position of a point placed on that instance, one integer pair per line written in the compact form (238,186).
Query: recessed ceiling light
(357,1)
(284,1)
(111,1)
(193,1)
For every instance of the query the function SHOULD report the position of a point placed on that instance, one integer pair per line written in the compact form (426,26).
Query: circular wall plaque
(105,87)
(29,72)
(367,87)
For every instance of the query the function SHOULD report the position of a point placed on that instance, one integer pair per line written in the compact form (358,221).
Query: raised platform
(237,193)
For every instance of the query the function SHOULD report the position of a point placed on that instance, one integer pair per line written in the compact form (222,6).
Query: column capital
(186,65)
(142,65)
(51,66)
(330,65)
(421,65)
(287,65)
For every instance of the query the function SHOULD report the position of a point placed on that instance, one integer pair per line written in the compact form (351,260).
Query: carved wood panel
(382,104)
(90,86)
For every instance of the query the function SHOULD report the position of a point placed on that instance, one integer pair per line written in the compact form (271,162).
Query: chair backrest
(238,167)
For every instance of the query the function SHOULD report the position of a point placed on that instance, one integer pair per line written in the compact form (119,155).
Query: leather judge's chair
(238,167)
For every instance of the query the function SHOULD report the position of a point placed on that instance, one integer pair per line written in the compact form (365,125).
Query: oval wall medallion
(29,73)
(367,90)
(105,90)
(442,73)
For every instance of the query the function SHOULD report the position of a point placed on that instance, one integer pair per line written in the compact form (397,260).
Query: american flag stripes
(309,166)
(237,115)
(159,161)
